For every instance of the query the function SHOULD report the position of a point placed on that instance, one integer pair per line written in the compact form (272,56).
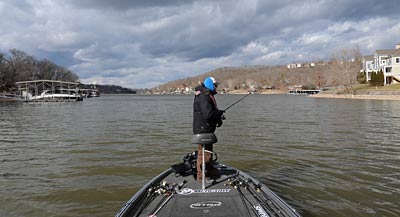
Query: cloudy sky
(145,43)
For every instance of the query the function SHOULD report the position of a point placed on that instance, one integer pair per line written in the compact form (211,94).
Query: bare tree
(348,62)
(3,71)
(19,66)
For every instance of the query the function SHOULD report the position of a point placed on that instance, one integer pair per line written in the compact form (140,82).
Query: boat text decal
(205,204)
(260,211)
(187,191)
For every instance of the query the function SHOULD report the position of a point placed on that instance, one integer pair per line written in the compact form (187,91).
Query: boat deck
(232,194)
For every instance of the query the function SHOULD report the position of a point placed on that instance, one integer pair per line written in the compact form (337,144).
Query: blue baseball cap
(209,83)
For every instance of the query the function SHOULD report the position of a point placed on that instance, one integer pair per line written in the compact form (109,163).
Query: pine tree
(380,78)
(373,79)
(361,77)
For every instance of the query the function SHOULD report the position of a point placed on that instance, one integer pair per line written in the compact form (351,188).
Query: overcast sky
(145,43)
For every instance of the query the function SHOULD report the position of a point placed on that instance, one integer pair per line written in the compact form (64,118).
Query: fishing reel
(223,117)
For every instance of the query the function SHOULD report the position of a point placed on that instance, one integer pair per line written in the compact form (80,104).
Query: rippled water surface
(325,157)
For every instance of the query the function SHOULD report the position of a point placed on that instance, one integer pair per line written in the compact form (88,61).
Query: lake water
(325,157)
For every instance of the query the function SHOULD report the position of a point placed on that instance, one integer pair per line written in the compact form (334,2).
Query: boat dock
(49,91)
(304,92)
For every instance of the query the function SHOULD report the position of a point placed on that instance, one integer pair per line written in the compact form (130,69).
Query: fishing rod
(236,102)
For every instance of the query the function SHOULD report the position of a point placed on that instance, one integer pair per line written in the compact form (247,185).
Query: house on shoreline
(368,66)
(387,61)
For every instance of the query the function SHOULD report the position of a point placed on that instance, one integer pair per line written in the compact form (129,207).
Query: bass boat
(229,193)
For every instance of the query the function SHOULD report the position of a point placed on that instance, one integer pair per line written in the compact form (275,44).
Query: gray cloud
(127,4)
(146,43)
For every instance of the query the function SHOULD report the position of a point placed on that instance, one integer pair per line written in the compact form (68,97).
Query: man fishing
(206,117)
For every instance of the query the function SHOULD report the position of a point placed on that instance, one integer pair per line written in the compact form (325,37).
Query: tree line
(19,66)
(340,70)
(109,89)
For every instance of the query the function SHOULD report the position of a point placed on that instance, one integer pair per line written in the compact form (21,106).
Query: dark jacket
(206,115)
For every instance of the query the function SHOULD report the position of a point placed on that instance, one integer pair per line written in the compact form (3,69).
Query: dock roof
(49,81)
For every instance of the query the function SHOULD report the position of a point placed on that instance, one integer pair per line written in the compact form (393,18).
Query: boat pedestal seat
(204,138)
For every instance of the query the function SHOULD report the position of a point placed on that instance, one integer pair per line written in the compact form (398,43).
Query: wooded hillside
(109,89)
(340,70)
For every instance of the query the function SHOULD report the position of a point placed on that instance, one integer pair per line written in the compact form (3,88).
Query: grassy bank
(361,89)
(364,91)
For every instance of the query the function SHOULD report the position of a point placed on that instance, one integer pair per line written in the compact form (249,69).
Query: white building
(386,60)
(368,66)
(392,69)
(389,62)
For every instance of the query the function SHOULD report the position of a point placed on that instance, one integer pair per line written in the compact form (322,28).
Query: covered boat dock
(48,91)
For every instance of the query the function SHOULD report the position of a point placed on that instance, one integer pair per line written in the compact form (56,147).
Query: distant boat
(94,93)
(47,95)
(9,98)
(88,93)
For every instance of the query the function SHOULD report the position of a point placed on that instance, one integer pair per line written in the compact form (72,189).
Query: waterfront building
(368,66)
(386,60)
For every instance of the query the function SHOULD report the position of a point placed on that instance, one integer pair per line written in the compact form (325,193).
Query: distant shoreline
(361,96)
(258,92)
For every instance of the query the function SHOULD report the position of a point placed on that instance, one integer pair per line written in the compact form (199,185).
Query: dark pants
(207,159)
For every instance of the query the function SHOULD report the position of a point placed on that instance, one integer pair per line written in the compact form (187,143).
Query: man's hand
(220,113)
(221,117)
(220,122)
